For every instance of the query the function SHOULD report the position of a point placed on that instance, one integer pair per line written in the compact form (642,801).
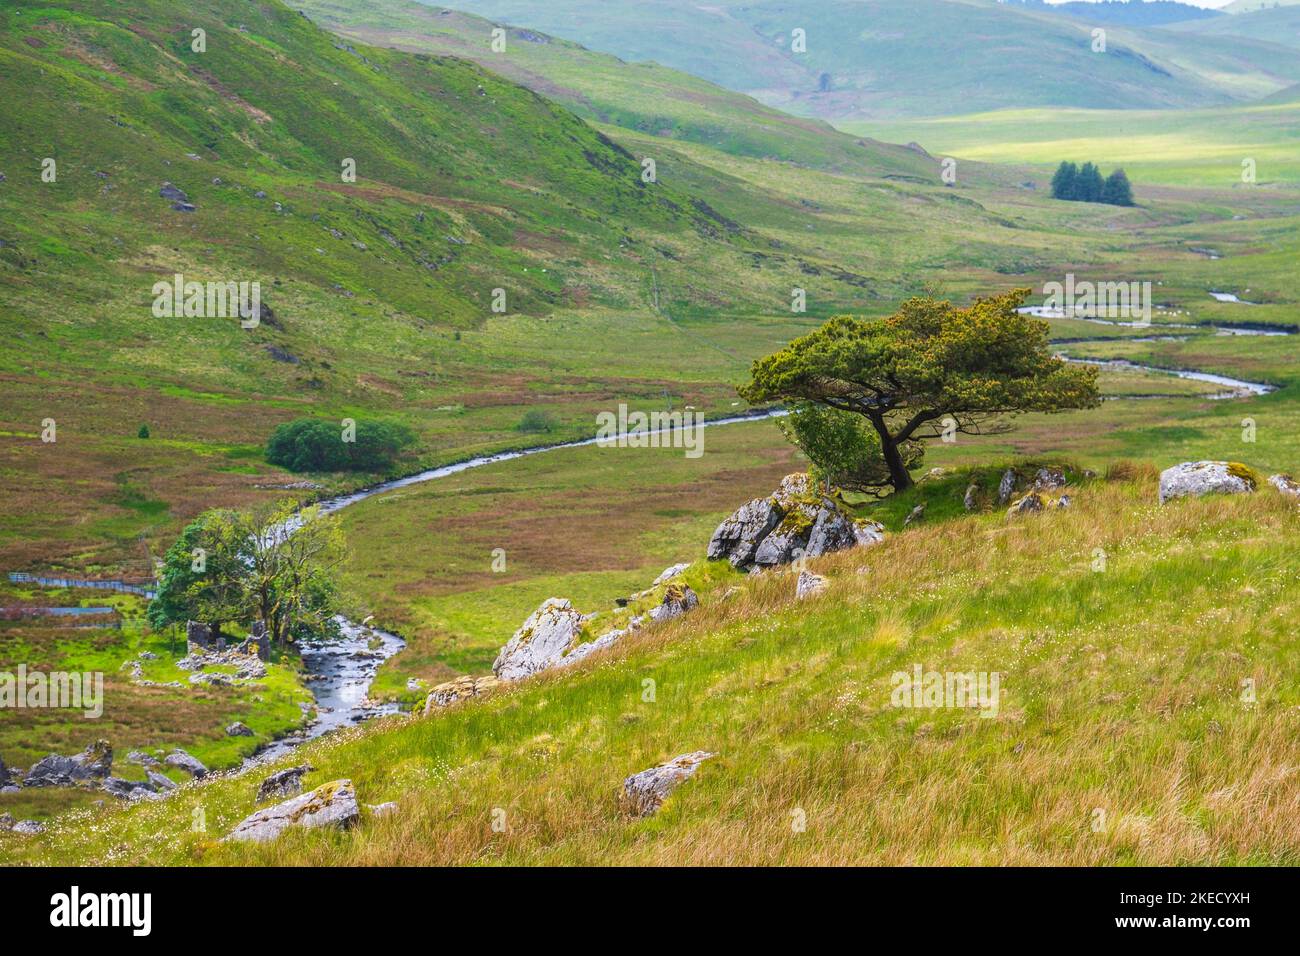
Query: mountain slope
(1279,25)
(645,97)
(911,57)
(1120,733)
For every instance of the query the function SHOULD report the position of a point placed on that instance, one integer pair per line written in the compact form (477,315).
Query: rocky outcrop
(809,585)
(94,763)
(331,805)
(284,783)
(541,642)
(793,522)
(644,793)
(1196,478)
(142,758)
(28,828)
(238,729)
(191,765)
(462,688)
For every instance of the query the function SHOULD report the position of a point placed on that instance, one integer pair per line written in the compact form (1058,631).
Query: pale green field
(1203,147)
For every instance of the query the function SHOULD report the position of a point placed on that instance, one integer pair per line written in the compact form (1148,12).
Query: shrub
(309,444)
(536,421)
(143,432)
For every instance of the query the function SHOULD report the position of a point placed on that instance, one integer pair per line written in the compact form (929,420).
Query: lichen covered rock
(541,642)
(331,805)
(1196,478)
(283,783)
(462,688)
(809,585)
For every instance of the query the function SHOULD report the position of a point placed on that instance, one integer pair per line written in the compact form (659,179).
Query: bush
(536,421)
(143,432)
(309,444)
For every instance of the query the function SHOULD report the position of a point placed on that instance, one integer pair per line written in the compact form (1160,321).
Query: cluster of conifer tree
(1084,184)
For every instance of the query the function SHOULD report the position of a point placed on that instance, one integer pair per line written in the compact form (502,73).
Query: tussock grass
(1121,702)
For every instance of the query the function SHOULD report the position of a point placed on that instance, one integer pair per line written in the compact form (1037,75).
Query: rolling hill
(868,58)
(645,97)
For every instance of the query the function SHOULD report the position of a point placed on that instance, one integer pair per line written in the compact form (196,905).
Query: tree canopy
(930,368)
(308,444)
(1085,184)
(272,564)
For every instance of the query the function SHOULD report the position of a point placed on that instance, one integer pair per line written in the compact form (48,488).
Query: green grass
(1121,691)
(135,717)
(1196,147)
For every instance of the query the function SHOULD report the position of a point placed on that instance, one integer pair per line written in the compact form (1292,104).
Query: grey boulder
(238,729)
(1196,478)
(678,599)
(541,641)
(809,585)
(331,805)
(191,765)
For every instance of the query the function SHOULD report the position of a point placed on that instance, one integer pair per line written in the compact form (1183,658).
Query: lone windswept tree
(931,368)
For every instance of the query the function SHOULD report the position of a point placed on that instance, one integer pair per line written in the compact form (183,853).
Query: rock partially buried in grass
(809,585)
(1285,484)
(191,765)
(462,688)
(330,805)
(28,827)
(238,729)
(284,783)
(678,599)
(644,793)
(1196,478)
(670,572)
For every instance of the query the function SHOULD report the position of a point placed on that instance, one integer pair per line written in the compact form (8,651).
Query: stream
(341,671)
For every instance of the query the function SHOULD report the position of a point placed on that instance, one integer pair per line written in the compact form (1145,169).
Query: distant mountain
(846,59)
(1136,13)
(1279,25)
(1247,6)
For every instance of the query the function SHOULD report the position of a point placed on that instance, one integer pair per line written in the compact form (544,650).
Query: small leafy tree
(308,444)
(930,368)
(843,449)
(271,564)
(1117,191)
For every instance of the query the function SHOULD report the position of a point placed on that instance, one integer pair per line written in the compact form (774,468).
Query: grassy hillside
(890,58)
(1274,24)
(1122,734)
(602,88)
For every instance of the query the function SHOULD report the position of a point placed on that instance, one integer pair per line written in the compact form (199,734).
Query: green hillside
(1121,733)
(889,58)
(604,89)
(1272,24)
